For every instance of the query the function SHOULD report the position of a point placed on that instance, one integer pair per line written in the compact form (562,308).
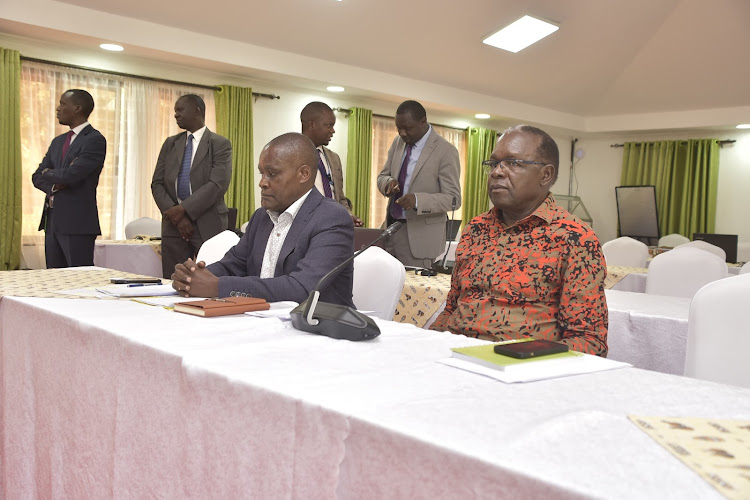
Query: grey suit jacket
(321,237)
(210,174)
(337,174)
(435,181)
(75,205)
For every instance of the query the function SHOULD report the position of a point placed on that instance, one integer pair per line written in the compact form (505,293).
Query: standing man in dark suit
(318,121)
(421,177)
(69,175)
(295,239)
(191,176)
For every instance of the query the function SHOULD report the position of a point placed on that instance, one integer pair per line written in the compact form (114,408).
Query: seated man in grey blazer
(290,243)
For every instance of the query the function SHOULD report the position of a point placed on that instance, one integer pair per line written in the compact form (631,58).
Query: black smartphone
(132,281)
(530,349)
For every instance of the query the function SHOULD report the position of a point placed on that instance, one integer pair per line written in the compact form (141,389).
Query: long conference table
(117,399)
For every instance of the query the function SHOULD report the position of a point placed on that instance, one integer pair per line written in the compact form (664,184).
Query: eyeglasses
(509,164)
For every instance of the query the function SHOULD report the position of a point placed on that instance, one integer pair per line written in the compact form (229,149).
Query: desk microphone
(334,320)
(440,268)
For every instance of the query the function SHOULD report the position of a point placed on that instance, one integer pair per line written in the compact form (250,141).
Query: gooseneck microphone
(441,267)
(334,320)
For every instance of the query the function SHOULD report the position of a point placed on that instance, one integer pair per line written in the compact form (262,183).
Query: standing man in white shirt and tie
(318,121)
(421,178)
(191,176)
(69,176)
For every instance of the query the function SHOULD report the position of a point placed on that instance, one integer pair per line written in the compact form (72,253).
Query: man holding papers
(527,267)
(290,243)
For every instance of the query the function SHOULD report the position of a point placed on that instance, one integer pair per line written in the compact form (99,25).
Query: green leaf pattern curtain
(10,159)
(234,120)
(480,143)
(685,174)
(359,162)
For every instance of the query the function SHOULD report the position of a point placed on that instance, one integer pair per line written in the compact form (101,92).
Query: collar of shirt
(77,130)
(292,210)
(197,135)
(545,212)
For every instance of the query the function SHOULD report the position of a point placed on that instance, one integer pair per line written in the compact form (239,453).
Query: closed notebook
(486,356)
(222,307)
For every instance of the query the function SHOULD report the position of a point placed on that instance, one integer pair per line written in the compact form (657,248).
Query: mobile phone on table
(530,349)
(133,281)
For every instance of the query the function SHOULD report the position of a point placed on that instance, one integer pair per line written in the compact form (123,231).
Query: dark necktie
(183,180)
(397,212)
(324,178)
(66,144)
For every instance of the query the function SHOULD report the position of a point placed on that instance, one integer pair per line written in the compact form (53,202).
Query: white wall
(599,173)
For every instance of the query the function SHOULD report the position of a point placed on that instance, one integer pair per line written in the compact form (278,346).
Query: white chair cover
(719,332)
(708,247)
(144,225)
(683,271)
(625,251)
(378,282)
(214,248)
(673,240)
(743,251)
(745,269)
(244,226)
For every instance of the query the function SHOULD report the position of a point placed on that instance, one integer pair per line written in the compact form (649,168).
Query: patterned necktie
(66,144)
(183,180)
(325,180)
(397,212)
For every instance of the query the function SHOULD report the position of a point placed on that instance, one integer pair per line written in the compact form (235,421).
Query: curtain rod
(140,77)
(721,143)
(348,112)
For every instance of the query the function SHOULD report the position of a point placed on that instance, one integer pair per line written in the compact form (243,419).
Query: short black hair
(197,101)
(313,110)
(547,150)
(415,109)
(298,146)
(83,99)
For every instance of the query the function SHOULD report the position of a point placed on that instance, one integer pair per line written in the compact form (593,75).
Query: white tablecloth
(648,331)
(118,399)
(137,258)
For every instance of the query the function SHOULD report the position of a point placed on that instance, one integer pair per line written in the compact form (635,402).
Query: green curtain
(480,143)
(685,174)
(10,159)
(359,162)
(234,120)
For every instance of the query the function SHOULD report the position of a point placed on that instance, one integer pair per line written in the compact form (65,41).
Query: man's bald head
(287,168)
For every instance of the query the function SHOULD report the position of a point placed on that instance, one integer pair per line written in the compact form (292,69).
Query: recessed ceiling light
(481,116)
(112,47)
(335,88)
(743,125)
(520,34)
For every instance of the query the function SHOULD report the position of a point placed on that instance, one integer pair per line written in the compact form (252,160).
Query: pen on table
(142,284)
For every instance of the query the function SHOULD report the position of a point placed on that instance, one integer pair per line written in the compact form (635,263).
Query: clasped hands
(178,216)
(408,201)
(192,279)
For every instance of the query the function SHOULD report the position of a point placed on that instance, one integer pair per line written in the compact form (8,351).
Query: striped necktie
(397,212)
(183,180)
(324,177)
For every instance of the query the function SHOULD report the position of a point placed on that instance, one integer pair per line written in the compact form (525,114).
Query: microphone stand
(334,320)
(440,268)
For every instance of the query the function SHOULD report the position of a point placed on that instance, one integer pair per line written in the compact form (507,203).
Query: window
(383,133)
(134,115)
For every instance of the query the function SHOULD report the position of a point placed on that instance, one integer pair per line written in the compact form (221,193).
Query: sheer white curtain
(383,133)
(134,115)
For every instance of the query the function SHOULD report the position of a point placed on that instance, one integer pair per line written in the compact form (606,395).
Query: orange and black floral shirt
(542,277)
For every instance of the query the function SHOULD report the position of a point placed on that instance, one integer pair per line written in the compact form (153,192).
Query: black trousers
(66,250)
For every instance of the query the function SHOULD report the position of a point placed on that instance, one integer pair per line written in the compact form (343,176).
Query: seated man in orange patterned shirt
(527,267)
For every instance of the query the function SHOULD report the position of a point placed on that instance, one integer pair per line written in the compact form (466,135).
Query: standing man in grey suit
(291,242)
(191,176)
(421,178)
(69,175)
(318,121)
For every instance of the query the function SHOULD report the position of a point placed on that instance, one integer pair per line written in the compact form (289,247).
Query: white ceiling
(612,65)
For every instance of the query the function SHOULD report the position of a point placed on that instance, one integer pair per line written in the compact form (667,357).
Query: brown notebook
(222,307)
